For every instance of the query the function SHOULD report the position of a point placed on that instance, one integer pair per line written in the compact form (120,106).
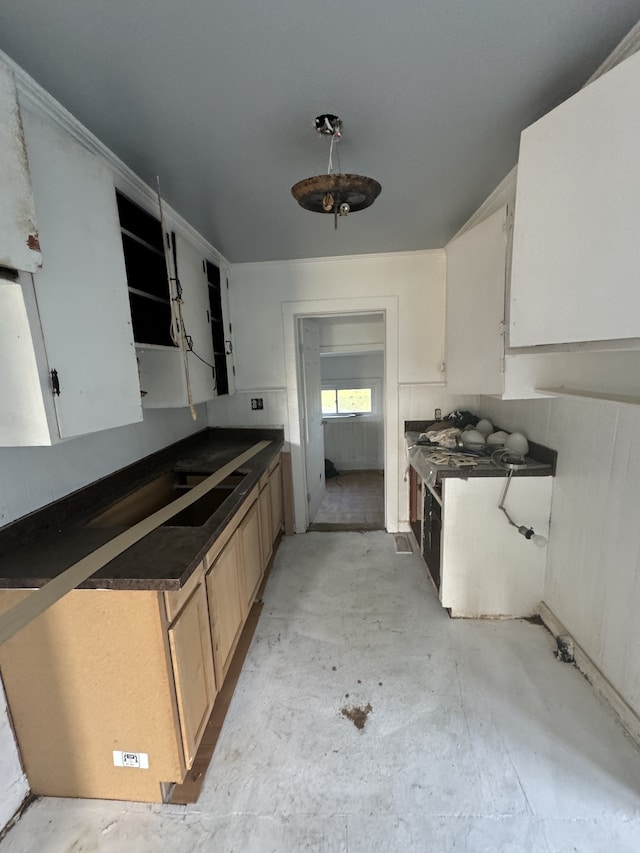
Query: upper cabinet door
(576,252)
(476,269)
(195,314)
(82,287)
(19,245)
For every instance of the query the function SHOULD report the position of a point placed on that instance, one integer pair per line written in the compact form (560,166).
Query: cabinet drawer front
(174,600)
(192,660)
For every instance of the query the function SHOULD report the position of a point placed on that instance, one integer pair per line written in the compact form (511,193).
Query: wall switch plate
(438,414)
(256,403)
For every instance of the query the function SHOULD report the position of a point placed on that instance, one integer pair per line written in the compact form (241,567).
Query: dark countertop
(39,546)
(541,461)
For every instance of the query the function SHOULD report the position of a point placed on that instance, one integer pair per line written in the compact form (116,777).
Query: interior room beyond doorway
(352,386)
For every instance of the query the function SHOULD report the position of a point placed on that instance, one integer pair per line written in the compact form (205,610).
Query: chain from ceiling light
(336,193)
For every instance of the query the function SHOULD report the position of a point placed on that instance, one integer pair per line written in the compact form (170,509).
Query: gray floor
(352,501)
(475,737)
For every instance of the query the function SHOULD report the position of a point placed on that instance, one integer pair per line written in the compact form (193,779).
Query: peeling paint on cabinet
(19,240)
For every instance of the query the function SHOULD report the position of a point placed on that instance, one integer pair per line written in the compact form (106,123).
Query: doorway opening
(292,313)
(342,376)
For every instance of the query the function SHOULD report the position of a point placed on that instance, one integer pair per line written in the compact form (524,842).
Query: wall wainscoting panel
(354,444)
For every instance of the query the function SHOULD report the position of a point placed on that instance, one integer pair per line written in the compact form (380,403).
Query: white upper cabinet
(476,269)
(195,314)
(19,245)
(576,250)
(81,289)
(177,376)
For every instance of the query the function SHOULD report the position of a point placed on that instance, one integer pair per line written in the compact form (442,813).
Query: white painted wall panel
(237,411)
(35,476)
(363,366)
(357,333)
(593,573)
(24,418)
(355,444)
(258,291)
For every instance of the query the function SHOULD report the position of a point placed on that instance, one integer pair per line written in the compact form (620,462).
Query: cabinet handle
(55,383)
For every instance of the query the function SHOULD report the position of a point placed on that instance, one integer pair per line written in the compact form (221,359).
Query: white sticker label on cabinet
(131,759)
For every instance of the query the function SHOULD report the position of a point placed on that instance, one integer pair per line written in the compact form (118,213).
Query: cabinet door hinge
(508,220)
(55,383)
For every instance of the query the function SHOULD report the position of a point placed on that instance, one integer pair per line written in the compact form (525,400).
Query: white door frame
(291,312)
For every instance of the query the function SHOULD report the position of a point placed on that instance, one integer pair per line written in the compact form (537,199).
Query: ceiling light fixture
(335,193)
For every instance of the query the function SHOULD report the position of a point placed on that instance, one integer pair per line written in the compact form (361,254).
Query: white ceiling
(217,97)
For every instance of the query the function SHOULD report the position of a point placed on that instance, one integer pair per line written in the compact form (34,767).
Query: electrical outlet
(256,403)
(438,414)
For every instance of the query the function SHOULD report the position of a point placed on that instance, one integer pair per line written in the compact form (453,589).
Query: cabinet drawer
(175,599)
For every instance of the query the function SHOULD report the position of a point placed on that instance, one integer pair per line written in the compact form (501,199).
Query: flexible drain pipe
(525,531)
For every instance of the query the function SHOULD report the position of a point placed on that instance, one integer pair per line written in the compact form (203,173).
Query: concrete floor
(477,738)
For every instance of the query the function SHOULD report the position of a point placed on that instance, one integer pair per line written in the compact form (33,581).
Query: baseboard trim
(623,711)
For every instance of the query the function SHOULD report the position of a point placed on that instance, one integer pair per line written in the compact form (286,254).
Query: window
(144,260)
(345,398)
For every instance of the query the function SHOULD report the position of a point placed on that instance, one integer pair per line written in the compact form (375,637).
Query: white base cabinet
(488,569)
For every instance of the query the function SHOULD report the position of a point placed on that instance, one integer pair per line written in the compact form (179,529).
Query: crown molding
(33,97)
(418,253)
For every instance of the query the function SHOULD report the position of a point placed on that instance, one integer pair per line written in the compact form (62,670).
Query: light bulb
(539,540)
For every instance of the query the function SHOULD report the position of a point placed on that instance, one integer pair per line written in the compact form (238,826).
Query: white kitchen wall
(362,366)
(359,333)
(258,292)
(236,410)
(593,570)
(35,476)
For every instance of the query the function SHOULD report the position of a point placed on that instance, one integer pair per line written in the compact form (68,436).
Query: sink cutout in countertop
(161,492)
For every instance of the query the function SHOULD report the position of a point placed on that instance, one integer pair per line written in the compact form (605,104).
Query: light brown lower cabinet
(251,564)
(107,697)
(226,608)
(110,691)
(266,537)
(275,494)
(192,663)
